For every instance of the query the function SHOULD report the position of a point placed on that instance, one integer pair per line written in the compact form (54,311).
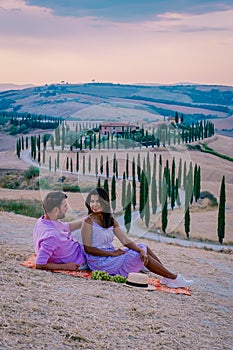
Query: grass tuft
(31,208)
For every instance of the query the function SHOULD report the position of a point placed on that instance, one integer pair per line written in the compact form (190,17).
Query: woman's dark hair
(105,203)
(53,200)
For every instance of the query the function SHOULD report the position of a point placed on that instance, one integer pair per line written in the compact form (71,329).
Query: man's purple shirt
(53,243)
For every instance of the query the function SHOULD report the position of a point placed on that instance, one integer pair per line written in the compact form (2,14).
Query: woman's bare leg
(155,266)
(152,254)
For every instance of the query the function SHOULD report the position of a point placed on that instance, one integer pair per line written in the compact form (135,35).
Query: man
(54,246)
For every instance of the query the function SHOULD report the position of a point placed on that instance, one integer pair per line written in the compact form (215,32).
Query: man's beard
(61,216)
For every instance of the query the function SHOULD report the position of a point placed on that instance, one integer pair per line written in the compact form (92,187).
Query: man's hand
(118,252)
(70,266)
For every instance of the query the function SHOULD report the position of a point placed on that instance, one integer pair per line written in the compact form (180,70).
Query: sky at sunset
(118,41)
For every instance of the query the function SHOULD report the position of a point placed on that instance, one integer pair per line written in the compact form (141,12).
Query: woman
(98,231)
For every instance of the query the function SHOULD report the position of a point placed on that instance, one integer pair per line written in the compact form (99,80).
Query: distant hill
(106,101)
(10,86)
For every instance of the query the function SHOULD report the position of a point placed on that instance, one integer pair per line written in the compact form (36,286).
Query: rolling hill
(106,101)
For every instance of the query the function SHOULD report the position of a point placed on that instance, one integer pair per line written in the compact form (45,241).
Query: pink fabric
(53,243)
(30,262)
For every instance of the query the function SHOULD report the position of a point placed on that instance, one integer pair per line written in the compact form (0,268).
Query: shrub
(210,196)
(31,172)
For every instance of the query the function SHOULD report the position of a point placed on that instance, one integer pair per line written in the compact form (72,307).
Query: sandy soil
(41,310)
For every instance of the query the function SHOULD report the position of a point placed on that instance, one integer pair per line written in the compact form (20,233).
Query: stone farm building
(117,127)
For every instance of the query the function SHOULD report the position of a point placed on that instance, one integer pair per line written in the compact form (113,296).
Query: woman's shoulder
(88,220)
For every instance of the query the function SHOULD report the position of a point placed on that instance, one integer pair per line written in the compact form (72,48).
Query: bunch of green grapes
(100,275)
(104,276)
(119,279)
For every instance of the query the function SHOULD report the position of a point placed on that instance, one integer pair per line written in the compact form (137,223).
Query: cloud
(131,10)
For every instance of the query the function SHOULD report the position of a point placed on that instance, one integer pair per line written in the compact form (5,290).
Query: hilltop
(105,101)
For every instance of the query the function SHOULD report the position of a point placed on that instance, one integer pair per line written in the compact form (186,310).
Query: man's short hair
(53,200)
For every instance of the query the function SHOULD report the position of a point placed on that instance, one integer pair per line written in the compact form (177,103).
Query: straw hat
(138,280)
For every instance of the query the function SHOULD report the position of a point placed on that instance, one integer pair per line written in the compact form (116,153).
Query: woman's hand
(118,252)
(144,257)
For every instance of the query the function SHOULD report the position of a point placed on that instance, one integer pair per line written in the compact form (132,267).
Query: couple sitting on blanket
(55,249)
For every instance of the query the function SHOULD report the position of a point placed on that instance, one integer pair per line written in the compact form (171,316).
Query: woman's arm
(86,232)
(128,242)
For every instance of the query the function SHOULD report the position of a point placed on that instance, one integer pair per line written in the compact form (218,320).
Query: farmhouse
(117,127)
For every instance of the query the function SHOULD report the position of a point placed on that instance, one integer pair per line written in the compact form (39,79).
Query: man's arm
(70,266)
(75,225)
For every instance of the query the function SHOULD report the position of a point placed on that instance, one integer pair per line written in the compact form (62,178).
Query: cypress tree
(173,185)
(148,168)
(38,142)
(180,172)
(195,183)
(134,197)
(186,210)
(168,179)
(107,167)
(184,174)
(123,192)
(190,181)
(89,163)
(77,162)
(18,149)
(160,178)
(177,196)
(101,164)
(96,167)
(71,165)
(52,142)
(127,166)
(106,187)
(187,222)
(139,167)
(198,189)
(164,205)
(113,193)
(84,165)
(99,182)
(67,163)
(90,142)
(146,203)
(142,194)
(154,188)
(63,137)
(38,157)
(43,155)
(22,143)
(81,143)
(58,160)
(117,169)
(114,164)
(50,165)
(127,213)
(99,141)
(221,212)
